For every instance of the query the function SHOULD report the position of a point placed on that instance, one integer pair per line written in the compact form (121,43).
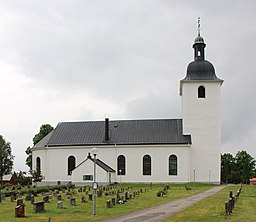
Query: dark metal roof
(201,70)
(121,132)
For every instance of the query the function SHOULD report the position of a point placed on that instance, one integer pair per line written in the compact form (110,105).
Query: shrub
(160,193)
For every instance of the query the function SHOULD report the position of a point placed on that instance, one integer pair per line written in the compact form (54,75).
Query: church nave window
(38,164)
(201,92)
(71,164)
(121,165)
(146,165)
(173,165)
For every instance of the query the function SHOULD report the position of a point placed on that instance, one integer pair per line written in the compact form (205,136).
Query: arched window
(173,165)
(201,92)
(38,164)
(146,165)
(71,164)
(121,165)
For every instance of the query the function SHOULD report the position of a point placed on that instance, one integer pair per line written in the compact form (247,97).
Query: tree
(29,158)
(37,176)
(227,166)
(44,130)
(6,158)
(245,165)
(23,179)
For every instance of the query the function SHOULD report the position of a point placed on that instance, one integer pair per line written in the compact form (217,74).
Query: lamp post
(94,152)
(120,172)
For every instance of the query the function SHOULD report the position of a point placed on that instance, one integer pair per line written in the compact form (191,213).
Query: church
(143,151)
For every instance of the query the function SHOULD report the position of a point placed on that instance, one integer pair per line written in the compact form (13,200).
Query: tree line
(237,169)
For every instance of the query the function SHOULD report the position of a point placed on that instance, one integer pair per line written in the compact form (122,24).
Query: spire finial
(198,25)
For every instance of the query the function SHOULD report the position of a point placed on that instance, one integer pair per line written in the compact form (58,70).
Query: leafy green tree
(6,158)
(245,165)
(44,130)
(23,179)
(227,166)
(37,176)
(29,158)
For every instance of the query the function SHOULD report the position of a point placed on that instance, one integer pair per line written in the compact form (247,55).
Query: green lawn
(212,208)
(83,211)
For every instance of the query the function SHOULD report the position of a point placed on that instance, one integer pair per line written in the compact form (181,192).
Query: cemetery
(64,203)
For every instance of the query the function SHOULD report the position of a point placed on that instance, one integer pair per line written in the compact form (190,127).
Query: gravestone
(60,205)
(46,199)
(83,199)
(32,199)
(59,197)
(38,207)
(20,211)
(28,197)
(72,202)
(108,204)
(12,198)
(3,197)
(19,202)
(113,201)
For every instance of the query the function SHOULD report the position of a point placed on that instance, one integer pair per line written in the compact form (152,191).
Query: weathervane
(198,23)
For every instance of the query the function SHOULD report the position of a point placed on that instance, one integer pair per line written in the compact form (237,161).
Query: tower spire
(198,25)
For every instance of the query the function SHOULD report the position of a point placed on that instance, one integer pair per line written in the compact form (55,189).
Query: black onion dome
(201,70)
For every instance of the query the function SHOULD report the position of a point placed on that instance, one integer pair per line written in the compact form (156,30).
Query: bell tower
(200,91)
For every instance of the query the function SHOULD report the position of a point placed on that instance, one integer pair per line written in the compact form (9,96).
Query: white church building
(143,151)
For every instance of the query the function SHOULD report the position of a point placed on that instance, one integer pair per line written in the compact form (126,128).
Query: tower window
(201,92)
(71,164)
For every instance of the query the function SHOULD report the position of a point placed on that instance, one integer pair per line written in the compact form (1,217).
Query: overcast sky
(84,59)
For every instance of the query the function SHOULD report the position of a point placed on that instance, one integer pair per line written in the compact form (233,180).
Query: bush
(160,193)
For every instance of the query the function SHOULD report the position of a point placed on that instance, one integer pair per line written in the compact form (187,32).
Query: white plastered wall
(57,159)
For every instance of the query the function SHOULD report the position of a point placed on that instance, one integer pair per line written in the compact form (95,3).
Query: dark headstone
(28,197)
(12,198)
(38,207)
(108,204)
(83,199)
(46,199)
(19,202)
(113,201)
(59,197)
(72,202)
(20,211)
(68,196)
(32,199)
(60,205)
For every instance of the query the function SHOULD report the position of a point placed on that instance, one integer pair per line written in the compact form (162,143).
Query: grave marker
(60,205)
(72,202)
(38,207)
(20,211)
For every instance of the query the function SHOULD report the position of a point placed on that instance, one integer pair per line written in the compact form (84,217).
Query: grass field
(212,208)
(83,211)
